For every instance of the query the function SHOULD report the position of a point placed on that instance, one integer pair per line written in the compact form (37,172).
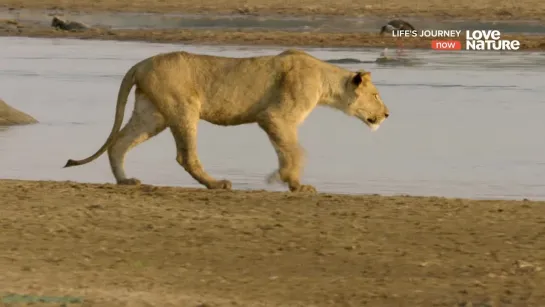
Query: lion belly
(234,104)
(228,113)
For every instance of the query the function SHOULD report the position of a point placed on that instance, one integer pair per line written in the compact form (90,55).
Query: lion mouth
(374,127)
(372,122)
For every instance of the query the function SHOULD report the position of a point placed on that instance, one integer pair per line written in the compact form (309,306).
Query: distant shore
(9,27)
(440,9)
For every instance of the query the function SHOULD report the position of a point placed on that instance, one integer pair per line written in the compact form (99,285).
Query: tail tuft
(70,162)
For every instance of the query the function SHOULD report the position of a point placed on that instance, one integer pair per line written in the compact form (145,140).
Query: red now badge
(446,45)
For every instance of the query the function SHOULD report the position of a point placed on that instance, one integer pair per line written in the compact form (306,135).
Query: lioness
(177,89)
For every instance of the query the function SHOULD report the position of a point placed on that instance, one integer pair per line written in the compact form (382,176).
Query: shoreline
(79,185)
(33,20)
(11,28)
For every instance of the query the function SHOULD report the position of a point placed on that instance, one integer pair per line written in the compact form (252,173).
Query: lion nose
(386,115)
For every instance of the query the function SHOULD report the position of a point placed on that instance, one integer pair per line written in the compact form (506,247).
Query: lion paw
(220,184)
(304,188)
(129,181)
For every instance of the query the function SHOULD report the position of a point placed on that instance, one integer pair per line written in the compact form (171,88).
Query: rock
(11,117)
(66,25)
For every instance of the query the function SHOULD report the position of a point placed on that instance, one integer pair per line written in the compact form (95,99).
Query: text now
(446,45)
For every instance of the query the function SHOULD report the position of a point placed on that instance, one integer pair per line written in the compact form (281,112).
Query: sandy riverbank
(233,37)
(164,246)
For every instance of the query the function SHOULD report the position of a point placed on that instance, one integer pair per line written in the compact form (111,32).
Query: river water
(461,125)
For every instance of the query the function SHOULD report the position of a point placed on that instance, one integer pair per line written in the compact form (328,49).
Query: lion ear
(360,77)
(357,79)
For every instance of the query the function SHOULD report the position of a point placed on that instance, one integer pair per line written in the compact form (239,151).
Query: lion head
(363,101)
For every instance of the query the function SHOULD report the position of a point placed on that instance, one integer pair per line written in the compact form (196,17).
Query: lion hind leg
(145,123)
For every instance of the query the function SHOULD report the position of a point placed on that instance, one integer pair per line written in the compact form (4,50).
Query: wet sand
(248,37)
(164,246)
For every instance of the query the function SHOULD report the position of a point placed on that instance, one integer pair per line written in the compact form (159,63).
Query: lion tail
(122,97)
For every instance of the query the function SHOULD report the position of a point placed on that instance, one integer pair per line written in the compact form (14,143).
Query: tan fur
(178,89)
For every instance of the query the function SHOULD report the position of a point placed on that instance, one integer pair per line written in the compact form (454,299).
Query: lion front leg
(185,136)
(283,137)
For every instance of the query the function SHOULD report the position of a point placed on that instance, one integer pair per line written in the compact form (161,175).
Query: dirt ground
(165,246)
(466,9)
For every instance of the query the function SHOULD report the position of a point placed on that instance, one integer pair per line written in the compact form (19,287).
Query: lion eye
(376,96)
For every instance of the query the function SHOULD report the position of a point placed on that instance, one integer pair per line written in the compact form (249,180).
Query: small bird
(396,24)
(60,24)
